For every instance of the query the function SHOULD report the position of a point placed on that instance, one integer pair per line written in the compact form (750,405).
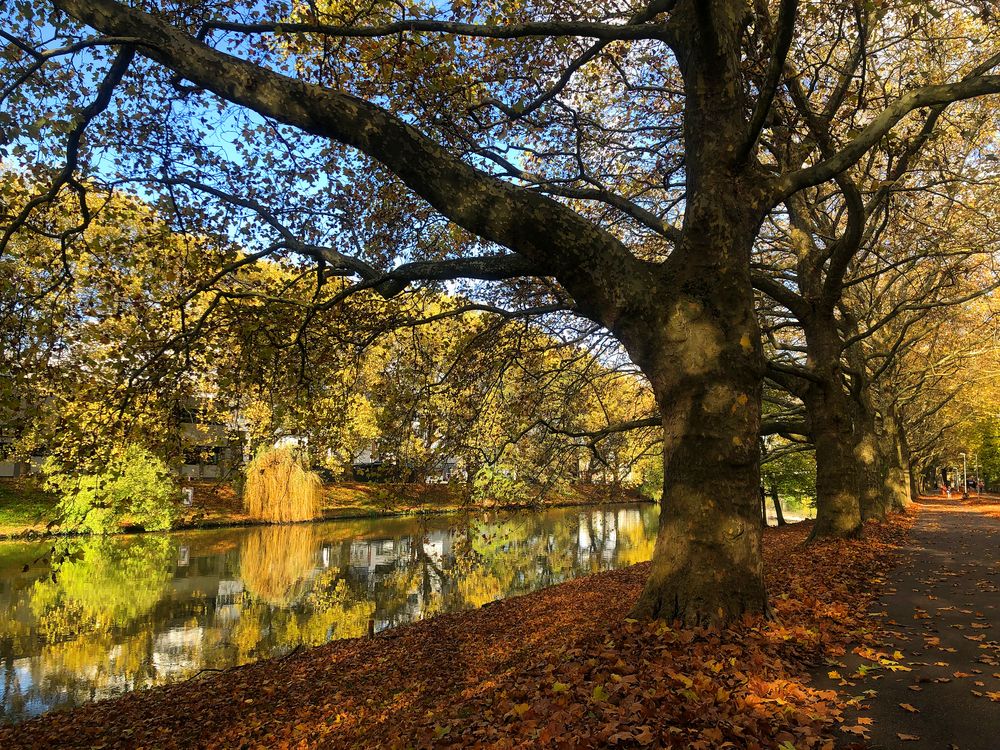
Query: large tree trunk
(898,475)
(916,483)
(697,340)
(874,500)
(703,357)
(838,508)
(706,566)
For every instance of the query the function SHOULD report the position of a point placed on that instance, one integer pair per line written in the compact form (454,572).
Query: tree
(642,208)
(832,238)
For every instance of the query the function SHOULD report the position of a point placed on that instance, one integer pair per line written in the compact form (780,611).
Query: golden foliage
(280,489)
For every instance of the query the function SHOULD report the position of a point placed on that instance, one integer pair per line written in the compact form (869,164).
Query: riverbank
(561,667)
(27,512)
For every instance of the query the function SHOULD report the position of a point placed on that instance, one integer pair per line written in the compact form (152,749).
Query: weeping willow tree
(280,488)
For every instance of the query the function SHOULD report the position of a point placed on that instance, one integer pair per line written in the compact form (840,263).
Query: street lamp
(965,476)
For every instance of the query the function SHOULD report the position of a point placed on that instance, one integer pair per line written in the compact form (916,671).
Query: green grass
(23,505)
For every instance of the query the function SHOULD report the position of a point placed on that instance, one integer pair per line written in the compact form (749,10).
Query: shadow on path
(941,620)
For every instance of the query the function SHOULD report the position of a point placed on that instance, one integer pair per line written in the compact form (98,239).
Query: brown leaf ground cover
(559,668)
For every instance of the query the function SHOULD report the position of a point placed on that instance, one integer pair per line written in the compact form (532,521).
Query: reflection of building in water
(377,555)
(177,651)
(401,575)
(228,600)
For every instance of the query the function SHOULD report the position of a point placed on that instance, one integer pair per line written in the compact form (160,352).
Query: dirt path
(941,616)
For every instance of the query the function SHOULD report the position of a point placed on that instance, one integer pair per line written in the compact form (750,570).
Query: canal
(85,619)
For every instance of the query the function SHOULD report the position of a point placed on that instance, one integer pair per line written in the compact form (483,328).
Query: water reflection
(276,561)
(97,617)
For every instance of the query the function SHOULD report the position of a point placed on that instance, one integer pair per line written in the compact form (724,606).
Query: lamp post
(965,476)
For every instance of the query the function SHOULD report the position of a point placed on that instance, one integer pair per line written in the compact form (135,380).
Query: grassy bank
(558,668)
(26,510)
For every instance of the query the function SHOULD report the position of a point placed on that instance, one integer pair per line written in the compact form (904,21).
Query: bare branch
(782,42)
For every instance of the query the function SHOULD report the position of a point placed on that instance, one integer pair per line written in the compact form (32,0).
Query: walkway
(941,612)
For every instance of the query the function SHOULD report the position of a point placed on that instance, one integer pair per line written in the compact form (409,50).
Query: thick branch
(782,42)
(781,294)
(488,268)
(592,264)
(612,429)
(927,96)
(74,141)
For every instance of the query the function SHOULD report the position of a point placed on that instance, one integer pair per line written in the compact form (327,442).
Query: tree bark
(898,489)
(916,484)
(704,357)
(707,566)
(838,507)
(868,450)
(777,505)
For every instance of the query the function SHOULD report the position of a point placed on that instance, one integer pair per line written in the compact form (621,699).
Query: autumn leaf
(857,729)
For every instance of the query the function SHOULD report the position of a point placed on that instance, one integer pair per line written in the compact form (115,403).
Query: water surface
(92,618)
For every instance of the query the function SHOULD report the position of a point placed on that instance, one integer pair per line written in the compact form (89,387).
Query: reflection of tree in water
(291,603)
(498,557)
(334,612)
(112,618)
(275,562)
(98,590)
(635,542)
(98,584)
(328,610)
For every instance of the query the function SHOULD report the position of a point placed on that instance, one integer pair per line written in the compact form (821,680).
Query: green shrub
(652,481)
(134,486)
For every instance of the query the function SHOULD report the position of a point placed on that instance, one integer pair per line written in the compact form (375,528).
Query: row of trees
(773,208)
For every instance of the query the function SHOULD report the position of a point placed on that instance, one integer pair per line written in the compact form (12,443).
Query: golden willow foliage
(280,488)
